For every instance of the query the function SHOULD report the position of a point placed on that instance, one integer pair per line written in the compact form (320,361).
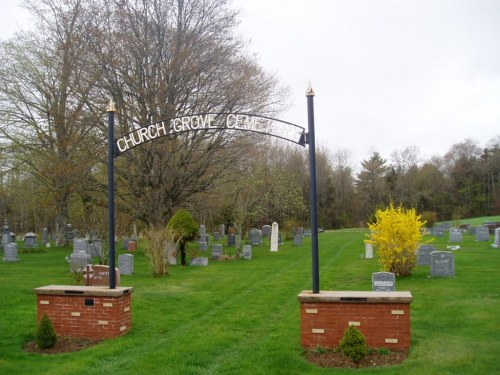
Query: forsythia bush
(397,234)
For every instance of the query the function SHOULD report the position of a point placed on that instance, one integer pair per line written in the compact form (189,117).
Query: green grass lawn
(242,317)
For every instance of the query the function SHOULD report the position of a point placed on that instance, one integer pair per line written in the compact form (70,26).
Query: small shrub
(159,244)
(354,344)
(384,351)
(46,336)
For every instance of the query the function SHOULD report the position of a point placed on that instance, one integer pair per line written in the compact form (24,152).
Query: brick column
(383,317)
(86,311)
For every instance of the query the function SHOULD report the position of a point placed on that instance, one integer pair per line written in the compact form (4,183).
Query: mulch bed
(64,344)
(335,358)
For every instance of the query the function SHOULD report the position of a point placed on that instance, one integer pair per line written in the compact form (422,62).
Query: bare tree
(47,80)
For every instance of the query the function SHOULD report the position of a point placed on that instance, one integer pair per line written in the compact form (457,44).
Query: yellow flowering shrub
(397,233)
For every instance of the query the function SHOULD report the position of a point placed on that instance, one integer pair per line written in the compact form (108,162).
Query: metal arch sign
(211,121)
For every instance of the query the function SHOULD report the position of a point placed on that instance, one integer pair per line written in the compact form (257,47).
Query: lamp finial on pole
(309,91)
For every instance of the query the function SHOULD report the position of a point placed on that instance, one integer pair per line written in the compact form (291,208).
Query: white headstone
(274,237)
(247,251)
(496,244)
(199,261)
(368,250)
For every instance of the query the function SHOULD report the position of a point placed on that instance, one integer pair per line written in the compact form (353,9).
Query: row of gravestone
(482,233)
(442,264)
(81,260)
(218,253)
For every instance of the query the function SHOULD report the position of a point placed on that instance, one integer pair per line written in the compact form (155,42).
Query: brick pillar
(86,311)
(383,317)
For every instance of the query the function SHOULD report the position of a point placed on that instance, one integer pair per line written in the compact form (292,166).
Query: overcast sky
(388,74)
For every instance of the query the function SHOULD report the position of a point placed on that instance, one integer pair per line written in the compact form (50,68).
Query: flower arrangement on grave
(397,233)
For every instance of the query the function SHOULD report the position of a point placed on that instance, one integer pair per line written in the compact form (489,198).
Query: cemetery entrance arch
(214,122)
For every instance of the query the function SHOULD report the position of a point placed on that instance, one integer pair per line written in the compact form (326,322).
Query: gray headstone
(96,248)
(202,231)
(80,244)
(438,231)
(307,232)
(231,240)
(266,230)
(30,240)
(456,235)
(424,254)
(126,264)
(6,237)
(203,246)
(125,243)
(280,239)
(217,251)
(222,230)
(442,264)
(216,236)
(299,231)
(247,252)
(207,239)
(482,234)
(383,282)
(199,262)
(11,253)
(45,235)
(255,237)
(298,240)
(78,261)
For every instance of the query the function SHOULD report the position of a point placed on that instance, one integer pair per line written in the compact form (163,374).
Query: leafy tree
(397,233)
(183,228)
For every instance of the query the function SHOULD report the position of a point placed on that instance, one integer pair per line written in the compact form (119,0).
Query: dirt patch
(64,344)
(335,358)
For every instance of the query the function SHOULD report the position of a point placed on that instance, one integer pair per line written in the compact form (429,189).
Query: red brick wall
(385,322)
(108,317)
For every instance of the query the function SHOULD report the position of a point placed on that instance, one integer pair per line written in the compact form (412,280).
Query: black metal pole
(111,193)
(312,173)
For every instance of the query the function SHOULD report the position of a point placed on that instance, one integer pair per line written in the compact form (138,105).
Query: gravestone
(274,236)
(247,252)
(125,243)
(368,250)
(222,230)
(280,239)
(424,254)
(203,246)
(171,253)
(383,282)
(80,244)
(126,264)
(482,234)
(70,234)
(307,232)
(255,237)
(298,240)
(93,235)
(199,261)
(202,231)
(496,243)
(6,237)
(217,251)
(456,235)
(438,231)
(30,240)
(442,264)
(78,260)
(206,239)
(299,231)
(98,275)
(216,236)
(96,248)
(45,236)
(231,240)
(266,231)
(11,253)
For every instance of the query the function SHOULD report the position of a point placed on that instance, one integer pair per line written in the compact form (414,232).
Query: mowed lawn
(242,316)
